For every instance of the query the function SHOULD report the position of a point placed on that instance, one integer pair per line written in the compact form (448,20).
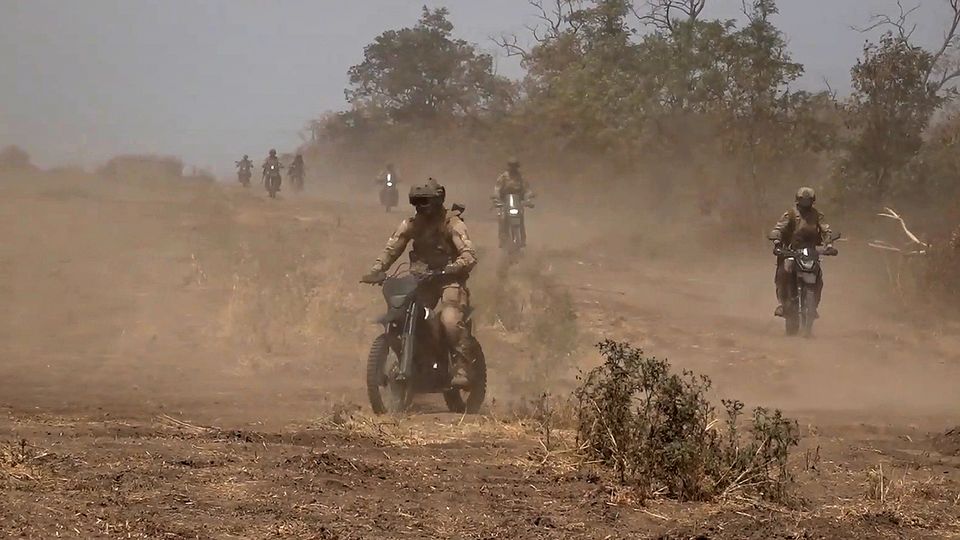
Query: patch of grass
(658,431)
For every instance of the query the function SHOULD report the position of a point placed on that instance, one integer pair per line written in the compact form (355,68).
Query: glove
(830,250)
(373,278)
(777,246)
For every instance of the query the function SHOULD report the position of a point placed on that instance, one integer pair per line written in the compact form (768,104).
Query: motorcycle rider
(441,246)
(297,167)
(388,171)
(272,159)
(244,167)
(802,226)
(510,182)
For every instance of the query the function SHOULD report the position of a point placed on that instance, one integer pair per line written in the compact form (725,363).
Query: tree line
(655,92)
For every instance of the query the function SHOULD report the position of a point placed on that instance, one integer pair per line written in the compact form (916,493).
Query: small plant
(657,430)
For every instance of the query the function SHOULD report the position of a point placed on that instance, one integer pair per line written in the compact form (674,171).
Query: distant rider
(388,174)
(800,227)
(272,159)
(510,182)
(244,169)
(297,168)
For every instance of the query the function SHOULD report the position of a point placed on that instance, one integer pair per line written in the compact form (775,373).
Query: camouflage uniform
(438,244)
(245,165)
(269,160)
(510,182)
(798,229)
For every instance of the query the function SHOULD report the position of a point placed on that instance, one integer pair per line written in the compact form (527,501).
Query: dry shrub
(657,430)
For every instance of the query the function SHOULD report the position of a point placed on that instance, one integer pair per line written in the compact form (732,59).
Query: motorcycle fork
(410,326)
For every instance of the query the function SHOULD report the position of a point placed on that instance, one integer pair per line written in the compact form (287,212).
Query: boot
(460,365)
(779,311)
(462,360)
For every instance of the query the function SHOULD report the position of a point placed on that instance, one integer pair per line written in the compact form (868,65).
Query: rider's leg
(454,304)
(781,279)
(818,292)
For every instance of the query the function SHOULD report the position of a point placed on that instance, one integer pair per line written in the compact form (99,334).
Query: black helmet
(273,152)
(429,191)
(246,156)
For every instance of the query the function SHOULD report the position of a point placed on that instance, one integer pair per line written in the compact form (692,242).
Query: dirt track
(177,360)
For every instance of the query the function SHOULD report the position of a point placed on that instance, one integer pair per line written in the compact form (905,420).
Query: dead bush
(657,430)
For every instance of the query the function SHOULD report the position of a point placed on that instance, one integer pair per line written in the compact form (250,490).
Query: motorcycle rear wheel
(382,366)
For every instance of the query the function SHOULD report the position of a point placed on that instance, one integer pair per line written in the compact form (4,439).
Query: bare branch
(511,45)
(951,41)
(660,13)
(891,214)
(899,24)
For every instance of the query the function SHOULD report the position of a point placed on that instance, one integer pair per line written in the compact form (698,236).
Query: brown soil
(183,360)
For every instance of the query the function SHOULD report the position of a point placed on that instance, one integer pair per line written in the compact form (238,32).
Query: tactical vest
(803,232)
(432,244)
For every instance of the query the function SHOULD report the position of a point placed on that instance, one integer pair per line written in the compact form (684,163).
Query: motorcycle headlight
(389,184)
(514,211)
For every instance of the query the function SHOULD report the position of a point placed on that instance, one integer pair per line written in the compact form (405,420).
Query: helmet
(806,196)
(429,191)
(273,152)
(513,163)
(246,156)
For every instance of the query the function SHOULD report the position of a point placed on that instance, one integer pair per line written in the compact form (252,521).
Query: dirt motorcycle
(389,196)
(271,179)
(410,358)
(800,310)
(244,175)
(512,209)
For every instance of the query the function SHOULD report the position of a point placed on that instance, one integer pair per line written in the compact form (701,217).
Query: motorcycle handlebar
(826,251)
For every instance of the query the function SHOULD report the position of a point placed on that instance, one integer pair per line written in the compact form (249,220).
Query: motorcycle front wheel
(385,391)
(791,317)
(476,391)
(808,313)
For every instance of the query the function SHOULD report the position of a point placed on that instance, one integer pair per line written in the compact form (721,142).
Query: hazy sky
(81,80)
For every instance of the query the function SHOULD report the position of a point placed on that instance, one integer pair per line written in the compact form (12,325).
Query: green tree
(424,74)
(891,107)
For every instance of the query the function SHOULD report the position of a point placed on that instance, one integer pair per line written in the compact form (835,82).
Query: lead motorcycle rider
(272,159)
(802,226)
(443,249)
(510,182)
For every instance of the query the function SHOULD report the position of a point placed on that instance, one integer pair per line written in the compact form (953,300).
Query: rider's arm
(825,233)
(781,227)
(498,186)
(466,254)
(394,248)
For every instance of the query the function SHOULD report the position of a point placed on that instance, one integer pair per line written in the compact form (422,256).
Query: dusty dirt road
(183,360)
